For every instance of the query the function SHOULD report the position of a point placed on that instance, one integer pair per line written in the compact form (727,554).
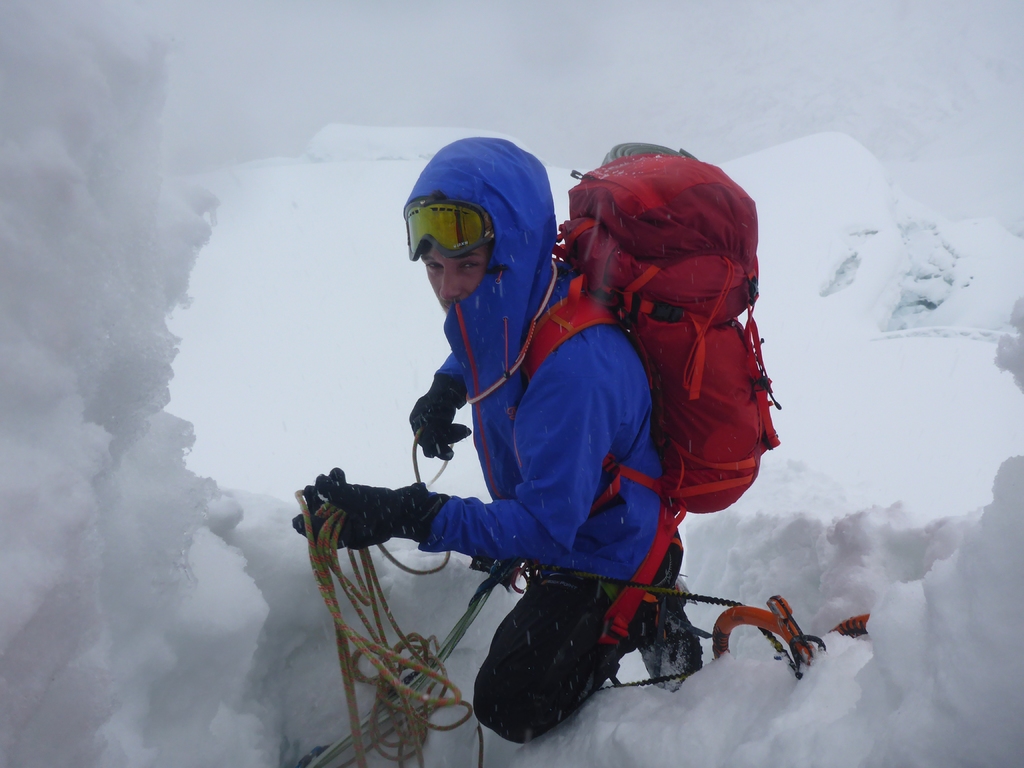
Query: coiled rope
(410,679)
(411,682)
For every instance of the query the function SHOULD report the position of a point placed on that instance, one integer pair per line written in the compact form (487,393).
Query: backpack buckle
(666,313)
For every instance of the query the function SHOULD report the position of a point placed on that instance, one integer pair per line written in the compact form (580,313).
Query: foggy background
(934,88)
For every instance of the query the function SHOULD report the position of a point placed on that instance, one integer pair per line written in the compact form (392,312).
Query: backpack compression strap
(762,384)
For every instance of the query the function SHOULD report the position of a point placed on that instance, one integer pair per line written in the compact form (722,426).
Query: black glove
(372,515)
(435,411)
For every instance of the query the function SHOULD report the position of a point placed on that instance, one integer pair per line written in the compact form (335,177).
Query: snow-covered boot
(675,648)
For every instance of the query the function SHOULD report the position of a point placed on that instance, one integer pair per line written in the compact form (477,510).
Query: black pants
(545,659)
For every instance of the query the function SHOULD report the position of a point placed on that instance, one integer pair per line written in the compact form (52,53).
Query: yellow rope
(410,680)
(416,460)
(416,471)
(401,714)
(414,571)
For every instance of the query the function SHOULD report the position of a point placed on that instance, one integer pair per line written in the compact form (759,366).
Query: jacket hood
(486,330)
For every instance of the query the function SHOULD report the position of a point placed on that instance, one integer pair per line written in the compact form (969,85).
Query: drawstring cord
(526,345)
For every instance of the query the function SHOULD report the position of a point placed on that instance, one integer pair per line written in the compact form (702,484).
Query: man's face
(455,279)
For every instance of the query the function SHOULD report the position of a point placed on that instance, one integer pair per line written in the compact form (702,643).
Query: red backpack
(667,247)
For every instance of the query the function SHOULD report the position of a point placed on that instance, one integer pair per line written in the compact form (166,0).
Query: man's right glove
(372,515)
(435,412)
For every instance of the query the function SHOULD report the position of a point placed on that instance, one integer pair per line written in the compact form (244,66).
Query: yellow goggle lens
(454,227)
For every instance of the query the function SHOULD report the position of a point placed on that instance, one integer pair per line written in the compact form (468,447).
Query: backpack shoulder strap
(577,311)
(574,313)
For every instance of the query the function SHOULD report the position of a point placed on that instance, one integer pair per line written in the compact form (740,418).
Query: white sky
(909,79)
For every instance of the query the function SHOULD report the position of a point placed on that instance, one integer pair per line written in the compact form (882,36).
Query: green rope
(624,583)
(653,681)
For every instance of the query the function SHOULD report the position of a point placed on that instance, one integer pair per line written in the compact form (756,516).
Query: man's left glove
(372,515)
(434,414)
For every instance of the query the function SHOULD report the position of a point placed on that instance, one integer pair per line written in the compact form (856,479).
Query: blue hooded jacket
(541,448)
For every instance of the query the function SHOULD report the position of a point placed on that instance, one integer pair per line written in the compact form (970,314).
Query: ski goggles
(453,227)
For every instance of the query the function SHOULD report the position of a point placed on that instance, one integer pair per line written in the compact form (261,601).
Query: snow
(938,684)
(1010,353)
(156,609)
